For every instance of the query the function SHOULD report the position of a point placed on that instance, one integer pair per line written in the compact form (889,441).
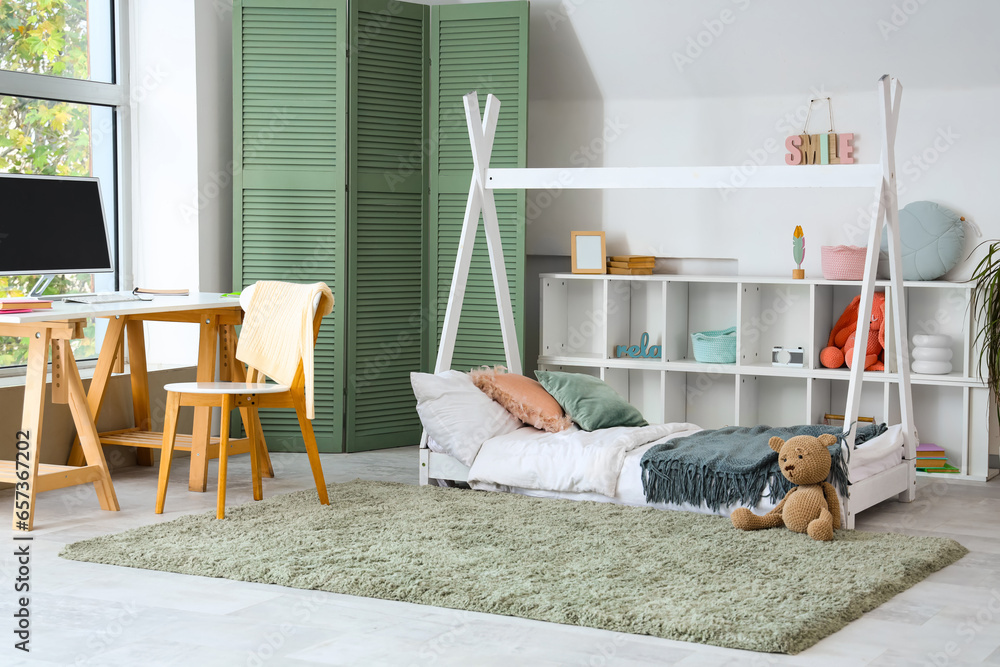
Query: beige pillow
(523,397)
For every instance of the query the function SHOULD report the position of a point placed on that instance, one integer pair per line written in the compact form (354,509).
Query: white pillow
(457,415)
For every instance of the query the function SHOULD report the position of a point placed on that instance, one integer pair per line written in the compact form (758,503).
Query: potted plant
(986,311)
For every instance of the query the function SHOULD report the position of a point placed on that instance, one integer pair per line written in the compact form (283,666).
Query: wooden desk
(217,318)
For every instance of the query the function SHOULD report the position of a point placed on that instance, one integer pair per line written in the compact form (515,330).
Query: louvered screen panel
(386,332)
(481,47)
(290,106)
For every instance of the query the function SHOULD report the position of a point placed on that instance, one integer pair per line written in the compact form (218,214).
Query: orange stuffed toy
(840,347)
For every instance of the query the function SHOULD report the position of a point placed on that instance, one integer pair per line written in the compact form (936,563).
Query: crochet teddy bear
(812,507)
(840,347)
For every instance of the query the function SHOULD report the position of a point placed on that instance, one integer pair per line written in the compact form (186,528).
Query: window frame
(118,97)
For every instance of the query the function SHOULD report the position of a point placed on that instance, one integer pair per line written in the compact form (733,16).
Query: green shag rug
(676,575)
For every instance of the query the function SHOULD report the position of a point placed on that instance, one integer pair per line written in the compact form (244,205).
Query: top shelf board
(751,280)
(811,176)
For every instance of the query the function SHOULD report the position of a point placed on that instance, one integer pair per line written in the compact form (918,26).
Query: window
(63,108)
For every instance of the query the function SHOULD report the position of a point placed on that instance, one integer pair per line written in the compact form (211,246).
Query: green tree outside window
(47,37)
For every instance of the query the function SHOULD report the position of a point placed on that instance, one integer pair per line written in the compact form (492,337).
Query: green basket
(715,347)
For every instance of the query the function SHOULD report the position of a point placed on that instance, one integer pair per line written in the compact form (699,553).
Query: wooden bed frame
(898,481)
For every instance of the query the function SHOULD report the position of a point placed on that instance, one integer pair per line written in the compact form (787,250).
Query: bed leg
(424,460)
(848,519)
(910,494)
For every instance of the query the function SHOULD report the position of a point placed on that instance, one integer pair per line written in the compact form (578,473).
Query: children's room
(535,332)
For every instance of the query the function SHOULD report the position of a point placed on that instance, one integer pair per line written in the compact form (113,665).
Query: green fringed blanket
(734,465)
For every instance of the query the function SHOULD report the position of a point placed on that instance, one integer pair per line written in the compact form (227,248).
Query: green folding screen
(290,159)
(352,165)
(481,47)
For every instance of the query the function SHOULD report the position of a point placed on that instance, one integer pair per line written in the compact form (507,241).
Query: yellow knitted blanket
(277,331)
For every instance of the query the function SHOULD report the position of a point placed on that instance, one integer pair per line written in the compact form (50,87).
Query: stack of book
(631,265)
(22,304)
(931,458)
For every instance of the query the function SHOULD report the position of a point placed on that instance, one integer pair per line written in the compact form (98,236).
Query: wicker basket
(843,262)
(715,347)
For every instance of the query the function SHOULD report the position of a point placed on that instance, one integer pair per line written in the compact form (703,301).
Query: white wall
(182,110)
(214,81)
(620,84)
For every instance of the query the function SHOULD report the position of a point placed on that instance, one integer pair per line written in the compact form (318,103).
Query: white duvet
(572,461)
(568,464)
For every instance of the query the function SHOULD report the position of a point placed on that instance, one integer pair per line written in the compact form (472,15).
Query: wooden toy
(798,252)
(825,148)
(641,351)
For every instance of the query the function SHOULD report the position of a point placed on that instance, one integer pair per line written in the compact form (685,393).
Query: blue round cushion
(933,240)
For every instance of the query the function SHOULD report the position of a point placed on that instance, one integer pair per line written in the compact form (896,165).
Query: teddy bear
(840,347)
(812,506)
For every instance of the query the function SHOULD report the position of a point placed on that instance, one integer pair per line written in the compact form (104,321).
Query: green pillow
(589,402)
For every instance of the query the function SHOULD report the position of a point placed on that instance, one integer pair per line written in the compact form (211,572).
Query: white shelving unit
(584,318)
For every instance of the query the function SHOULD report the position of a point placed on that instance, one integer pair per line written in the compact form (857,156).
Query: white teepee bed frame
(900,480)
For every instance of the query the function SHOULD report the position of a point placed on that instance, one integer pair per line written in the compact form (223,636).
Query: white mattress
(868,459)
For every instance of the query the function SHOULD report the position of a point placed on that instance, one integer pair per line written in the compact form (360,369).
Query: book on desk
(23,304)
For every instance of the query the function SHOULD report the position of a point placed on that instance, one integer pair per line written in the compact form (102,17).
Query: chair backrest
(279,331)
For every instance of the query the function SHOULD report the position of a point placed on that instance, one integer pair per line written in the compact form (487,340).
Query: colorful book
(629,272)
(633,258)
(23,303)
(935,463)
(931,460)
(926,448)
(946,468)
(632,265)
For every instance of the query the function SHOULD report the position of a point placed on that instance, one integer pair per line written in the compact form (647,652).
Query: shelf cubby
(699,398)
(710,306)
(829,302)
(573,321)
(635,308)
(833,398)
(935,310)
(642,388)
(773,400)
(937,408)
(775,315)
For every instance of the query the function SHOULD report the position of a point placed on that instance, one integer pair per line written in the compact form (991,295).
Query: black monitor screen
(52,224)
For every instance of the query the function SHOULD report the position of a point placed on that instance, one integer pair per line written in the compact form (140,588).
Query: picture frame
(589,252)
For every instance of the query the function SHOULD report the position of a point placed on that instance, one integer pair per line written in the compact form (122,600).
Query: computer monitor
(52,225)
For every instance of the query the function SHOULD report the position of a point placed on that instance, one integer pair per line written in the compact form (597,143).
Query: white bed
(523,457)
(870,483)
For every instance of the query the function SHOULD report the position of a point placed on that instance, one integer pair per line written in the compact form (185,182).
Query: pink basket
(843,262)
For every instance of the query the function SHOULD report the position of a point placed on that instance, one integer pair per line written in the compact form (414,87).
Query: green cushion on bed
(589,402)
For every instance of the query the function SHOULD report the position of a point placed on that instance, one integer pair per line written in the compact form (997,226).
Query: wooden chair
(272,356)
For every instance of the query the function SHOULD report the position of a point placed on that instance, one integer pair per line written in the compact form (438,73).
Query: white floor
(85,614)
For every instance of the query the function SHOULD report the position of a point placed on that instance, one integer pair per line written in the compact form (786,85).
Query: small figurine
(798,252)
